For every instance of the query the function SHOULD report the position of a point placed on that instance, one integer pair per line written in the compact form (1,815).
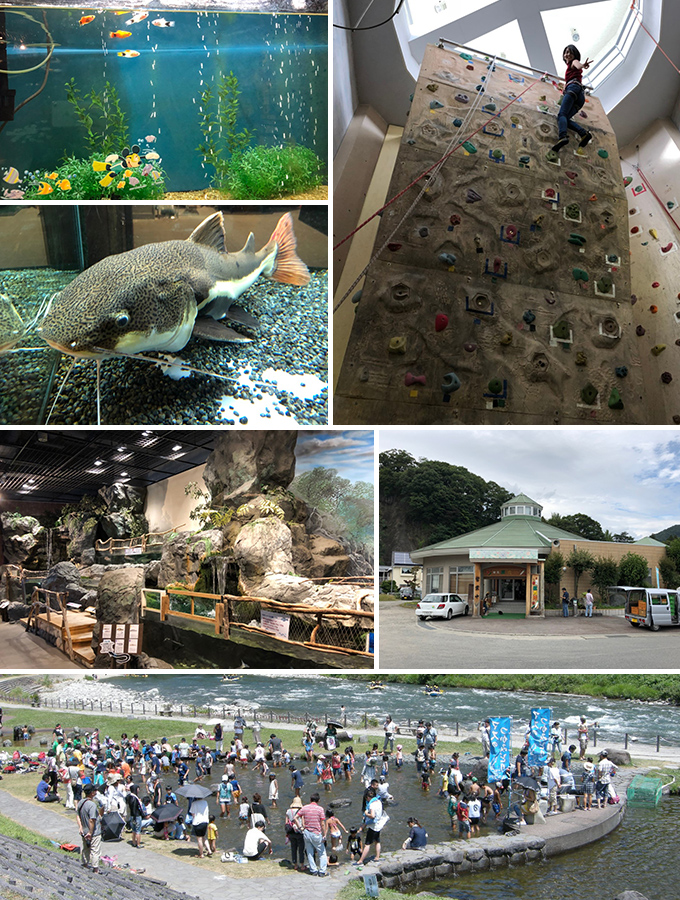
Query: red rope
(642,25)
(434,166)
(656,196)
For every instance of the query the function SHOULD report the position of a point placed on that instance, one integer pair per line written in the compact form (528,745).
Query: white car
(442,606)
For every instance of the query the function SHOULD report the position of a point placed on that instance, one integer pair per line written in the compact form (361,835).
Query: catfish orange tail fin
(289,267)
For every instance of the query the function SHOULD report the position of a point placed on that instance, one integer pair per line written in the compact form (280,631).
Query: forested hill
(425,501)
(667,533)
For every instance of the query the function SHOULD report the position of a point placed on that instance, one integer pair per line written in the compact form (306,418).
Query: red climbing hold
(667,248)
(394,247)
(550,192)
(653,309)
(455,219)
(413,379)
(440,322)
(510,232)
(497,264)
(634,230)
(656,284)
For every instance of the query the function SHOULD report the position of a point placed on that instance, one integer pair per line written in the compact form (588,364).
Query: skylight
(505,42)
(427,15)
(592,28)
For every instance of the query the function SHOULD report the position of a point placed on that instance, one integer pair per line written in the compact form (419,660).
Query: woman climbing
(573,98)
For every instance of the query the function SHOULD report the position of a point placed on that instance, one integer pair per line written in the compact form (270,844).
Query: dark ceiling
(63,466)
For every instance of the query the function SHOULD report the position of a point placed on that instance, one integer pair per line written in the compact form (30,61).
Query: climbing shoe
(586,139)
(563,141)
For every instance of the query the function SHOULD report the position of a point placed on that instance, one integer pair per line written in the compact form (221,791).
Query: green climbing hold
(457,122)
(497,154)
(489,107)
(589,394)
(561,330)
(573,211)
(397,344)
(603,154)
(578,239)
(465,56)
(579,274)
(525,160)
(551,156)
(581,359)
(514,120)
(615,401)
(495,386)
(433,87)
(604,284)
(470,147)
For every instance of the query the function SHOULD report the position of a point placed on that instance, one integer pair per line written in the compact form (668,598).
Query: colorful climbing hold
(448,259)
(470,147)
(510,232)
(455,219)
(589,394)
(489,107)
(393,247)
(654,233)
(621,371)
(666,377)
(433,87)
(497,264)
(551,193)
(462,98)
(529,317)
(441,320)
(581,359)
(603,154)
(495,386)
(639,331)
(470,67)
(579,274)
(424,231)
(605,284)
(653,309)
(450,383)
(472,196)
(615,401)
(506,340)
(357,297)
(410,379)
(436,104)
(667,248)
(656,284)
(634,230)
(592,198)
(627,180)
(457,122)
(572,211)
(634,299)
(397,344)
(497,154)
(571,175)
(658,349)
(551,156)
(577,239)
(469,347)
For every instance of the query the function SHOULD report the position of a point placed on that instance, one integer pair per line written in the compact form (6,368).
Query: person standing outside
(314,833)
(605,770)
(219,738)
(374,819)
(565,603)
(590,603)
(389,729)
(485,729)
(90,828)
(554,782)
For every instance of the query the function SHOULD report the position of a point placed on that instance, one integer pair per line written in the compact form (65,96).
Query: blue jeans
(572,101)
(589,610)
(565,608)
(314,842)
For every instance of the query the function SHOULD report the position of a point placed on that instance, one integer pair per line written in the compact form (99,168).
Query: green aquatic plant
(76,179)
(265,173)
(219,113)
(100,114)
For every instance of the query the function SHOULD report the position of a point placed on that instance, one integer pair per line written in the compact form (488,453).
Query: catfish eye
(122,319)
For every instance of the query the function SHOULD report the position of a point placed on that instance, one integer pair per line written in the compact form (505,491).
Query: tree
(669,574)
(552,571)
(673,552)
(633,570)
(578,523)
(605,573)
(580,561)
(624,538)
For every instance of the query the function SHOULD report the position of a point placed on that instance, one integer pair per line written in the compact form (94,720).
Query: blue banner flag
(539,735)
(500,740)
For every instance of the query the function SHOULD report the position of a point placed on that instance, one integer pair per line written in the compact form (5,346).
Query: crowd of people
(140,780)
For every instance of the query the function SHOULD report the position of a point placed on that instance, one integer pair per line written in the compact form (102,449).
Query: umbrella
(335,724)
(526,781)
(112,825)
(194,791)
(166,813)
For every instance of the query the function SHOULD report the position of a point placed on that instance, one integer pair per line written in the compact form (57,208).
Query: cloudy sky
(628,479)
(350,452)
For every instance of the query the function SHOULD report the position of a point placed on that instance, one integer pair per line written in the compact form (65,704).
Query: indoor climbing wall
(503,296)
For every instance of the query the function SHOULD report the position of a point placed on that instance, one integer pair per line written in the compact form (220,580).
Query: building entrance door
(511,590)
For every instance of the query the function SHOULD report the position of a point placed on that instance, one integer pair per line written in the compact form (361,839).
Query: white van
(652,607)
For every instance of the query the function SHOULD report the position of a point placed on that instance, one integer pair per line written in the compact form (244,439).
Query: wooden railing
(35,611)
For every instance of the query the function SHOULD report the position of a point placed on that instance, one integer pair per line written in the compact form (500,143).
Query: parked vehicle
(651,607)
(442,606)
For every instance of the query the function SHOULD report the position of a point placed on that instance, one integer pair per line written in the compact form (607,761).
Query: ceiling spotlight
(120,449)
(98,462)
(177,447)
(123,474)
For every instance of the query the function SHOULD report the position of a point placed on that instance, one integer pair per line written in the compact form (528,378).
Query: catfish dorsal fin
(249,246)
(289,268)
(210,233)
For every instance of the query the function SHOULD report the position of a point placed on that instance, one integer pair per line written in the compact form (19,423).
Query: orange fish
(129,54)
(119,34)
(86,20)
(45,188)
(64,184)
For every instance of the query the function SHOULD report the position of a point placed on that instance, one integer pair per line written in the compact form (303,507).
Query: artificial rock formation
(183,554)
(125,510)
(119,601)
(244,462)
(23,539)
(504,296)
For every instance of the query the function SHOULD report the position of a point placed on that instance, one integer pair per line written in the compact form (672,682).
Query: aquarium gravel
(292,341)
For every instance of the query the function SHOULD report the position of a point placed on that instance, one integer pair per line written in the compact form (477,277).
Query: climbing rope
(434,170)
(649,187)
(638,13)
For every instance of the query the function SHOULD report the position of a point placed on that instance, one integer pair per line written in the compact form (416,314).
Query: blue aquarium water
(160,65)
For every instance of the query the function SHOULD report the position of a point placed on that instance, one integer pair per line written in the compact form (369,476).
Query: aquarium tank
(77,354)
(133,104)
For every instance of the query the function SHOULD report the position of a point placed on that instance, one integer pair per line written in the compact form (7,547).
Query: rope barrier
(437,165)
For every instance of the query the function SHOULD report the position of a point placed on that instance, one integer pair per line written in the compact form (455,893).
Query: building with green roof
(506,560)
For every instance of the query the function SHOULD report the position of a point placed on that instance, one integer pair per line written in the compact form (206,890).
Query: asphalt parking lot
(605,643)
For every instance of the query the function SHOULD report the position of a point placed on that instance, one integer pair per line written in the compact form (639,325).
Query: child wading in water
(572,99)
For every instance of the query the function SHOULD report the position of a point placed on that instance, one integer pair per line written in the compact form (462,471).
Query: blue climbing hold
(451,383)
(436,104)
(447,258)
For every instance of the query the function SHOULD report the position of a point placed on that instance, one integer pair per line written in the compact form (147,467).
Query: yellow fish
(120,185)
(119,34)
(45,188)
(12,175)
(64,184)
(99,166)
(86,20)
(52,176)
(129,54)
(106,180)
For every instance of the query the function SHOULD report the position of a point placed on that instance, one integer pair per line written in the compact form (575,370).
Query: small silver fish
(12,328)
(149,299)
(163,23)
